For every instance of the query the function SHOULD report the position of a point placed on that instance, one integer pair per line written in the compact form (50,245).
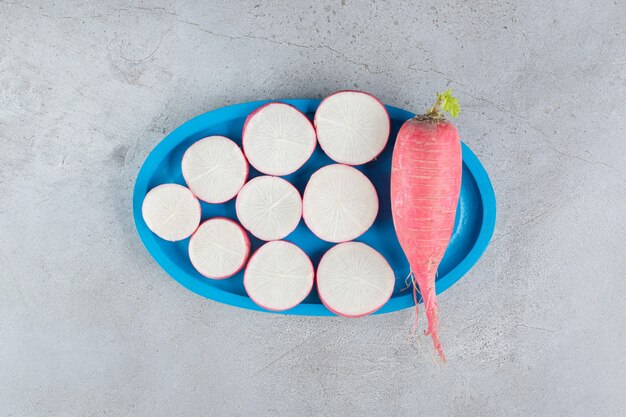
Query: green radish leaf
(449,103)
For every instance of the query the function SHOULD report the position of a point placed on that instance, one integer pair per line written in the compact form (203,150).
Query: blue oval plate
(475,217)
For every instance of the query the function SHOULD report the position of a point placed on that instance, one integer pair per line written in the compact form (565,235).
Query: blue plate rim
(394,304)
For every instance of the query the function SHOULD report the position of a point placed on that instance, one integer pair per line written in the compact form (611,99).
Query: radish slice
(269,207)
(171,211)
(278,139)
(352,127)
(219,248)
(354,280)
(340,203)
(214,169)
(279,276)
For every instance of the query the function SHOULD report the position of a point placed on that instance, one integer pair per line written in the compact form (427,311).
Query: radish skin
(425,184)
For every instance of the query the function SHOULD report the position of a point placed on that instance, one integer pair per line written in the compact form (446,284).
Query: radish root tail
(432,316)
(415,290)
(408,282)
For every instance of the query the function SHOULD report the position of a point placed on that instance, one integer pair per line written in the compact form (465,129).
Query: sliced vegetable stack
(339,203)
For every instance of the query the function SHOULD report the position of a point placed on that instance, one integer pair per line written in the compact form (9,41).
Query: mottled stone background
(91,326)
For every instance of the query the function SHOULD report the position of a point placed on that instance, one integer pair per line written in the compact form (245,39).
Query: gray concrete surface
(91,326)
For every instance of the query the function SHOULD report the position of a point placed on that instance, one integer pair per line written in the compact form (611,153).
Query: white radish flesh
(269,207)
(278,139)
(279,276)
(219,248)
(214,169)
(340,203)
(354,280)
(171,211)
(352,127)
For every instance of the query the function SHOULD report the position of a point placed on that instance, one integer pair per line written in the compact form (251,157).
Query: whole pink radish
(425,185)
